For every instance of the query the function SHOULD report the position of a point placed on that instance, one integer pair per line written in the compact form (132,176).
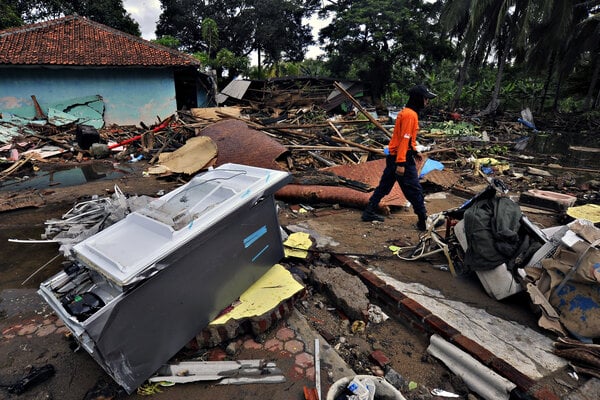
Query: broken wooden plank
(322,148)
(556,166)
(39,114)
(361,109)
(547,200)
(324,160)
(317,125)
(17,201)
(15,166)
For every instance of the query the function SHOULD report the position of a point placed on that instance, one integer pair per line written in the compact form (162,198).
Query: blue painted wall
(130,95)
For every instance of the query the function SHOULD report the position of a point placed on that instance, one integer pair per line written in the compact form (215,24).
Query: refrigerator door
(124,251)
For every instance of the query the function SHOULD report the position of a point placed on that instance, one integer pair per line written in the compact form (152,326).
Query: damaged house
(118,78)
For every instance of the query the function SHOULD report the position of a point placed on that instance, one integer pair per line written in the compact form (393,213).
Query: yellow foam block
(591,212)
(276,285)
(297,244)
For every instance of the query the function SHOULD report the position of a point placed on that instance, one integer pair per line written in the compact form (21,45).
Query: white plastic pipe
(477,376)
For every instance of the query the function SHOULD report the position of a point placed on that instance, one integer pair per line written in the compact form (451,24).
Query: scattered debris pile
(306,140)
(334,158)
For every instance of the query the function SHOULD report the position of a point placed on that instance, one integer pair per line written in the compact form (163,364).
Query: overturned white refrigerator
(142,288)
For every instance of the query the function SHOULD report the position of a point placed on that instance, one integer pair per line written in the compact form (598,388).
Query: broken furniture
(140,289)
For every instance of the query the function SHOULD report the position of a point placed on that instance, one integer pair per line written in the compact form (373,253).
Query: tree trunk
(493,105)
(557,93)
(462,75)
(259,66)
(588,97)
(548,80)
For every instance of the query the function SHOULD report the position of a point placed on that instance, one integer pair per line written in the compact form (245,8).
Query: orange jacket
(404,137)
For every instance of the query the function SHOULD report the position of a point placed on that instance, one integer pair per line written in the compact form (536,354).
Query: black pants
(409,183)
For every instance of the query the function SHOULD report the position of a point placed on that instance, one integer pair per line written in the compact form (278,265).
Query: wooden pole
(361,109)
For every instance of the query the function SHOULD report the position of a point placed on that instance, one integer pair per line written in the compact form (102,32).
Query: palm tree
(502,26)
(587,41)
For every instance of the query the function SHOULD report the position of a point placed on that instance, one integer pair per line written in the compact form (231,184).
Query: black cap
(421,90)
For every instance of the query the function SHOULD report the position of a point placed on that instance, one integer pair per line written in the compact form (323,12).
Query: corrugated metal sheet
(236,89)
(237,143)
(446,178)
(368,173)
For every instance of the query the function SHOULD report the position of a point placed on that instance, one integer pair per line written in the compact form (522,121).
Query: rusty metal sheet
(240,144)
(445,178)
(368,173)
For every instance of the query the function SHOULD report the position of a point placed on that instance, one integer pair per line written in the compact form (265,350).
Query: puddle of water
(66,177)
(19,260)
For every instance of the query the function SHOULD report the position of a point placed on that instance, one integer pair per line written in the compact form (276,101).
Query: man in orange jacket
(400,162)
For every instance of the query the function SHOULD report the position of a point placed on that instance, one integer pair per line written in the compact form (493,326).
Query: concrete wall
(130,95)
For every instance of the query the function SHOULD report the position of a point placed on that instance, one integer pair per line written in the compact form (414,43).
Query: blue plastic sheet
(430,165)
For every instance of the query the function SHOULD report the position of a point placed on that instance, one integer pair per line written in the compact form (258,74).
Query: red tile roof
(78,41)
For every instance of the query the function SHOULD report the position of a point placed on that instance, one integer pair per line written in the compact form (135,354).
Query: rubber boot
(369,214)
(421,223)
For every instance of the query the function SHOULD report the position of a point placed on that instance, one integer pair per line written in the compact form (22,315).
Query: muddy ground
(367,241)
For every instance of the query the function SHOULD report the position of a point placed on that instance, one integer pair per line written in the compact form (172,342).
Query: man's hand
(400,170)
(418,157)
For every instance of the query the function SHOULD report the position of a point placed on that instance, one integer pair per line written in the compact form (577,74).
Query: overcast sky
(146,13)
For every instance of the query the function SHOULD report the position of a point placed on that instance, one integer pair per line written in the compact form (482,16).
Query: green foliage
(107,12)
(485,151)
(168,41)
(227,59)
(308,67)
(312,67)
(9,17)
(273,27)
(569,105)
(381,42)
(210,33)
(454,129)
(203,57)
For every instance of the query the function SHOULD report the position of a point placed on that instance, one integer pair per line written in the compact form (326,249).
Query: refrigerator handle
(258,200)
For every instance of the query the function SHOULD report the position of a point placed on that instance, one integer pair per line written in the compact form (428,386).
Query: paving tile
(217,355)
(274,345)
(45,330)
(304,360)
(297,373)
(294,346)
(62,330)
(27,329)
(251,344)
(285,334)
(310,373)
(12,330)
